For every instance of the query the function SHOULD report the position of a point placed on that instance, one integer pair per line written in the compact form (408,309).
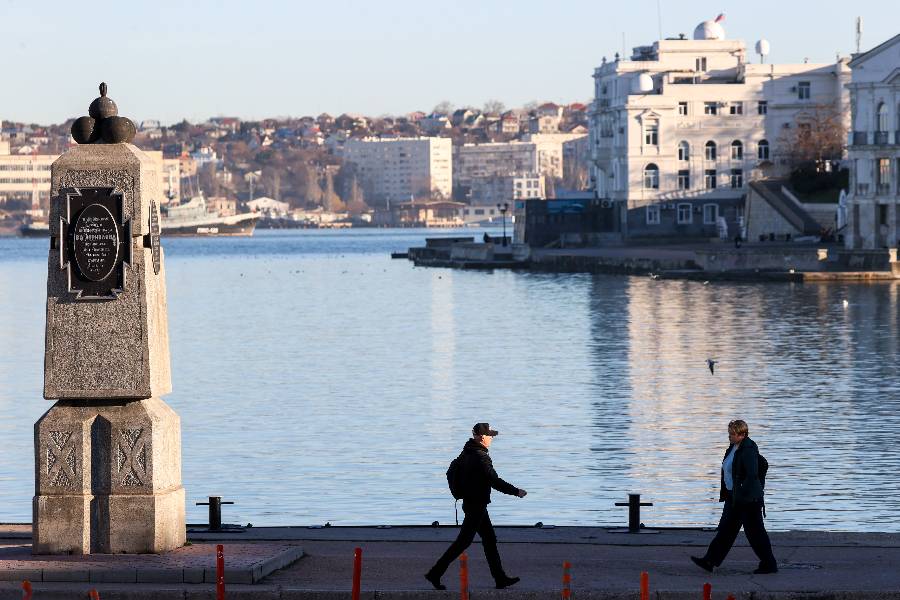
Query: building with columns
(679,129)
(873,218)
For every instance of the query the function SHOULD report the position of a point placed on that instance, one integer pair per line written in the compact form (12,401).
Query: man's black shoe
(703,563)
(435,581)
(506,582)
(766,570)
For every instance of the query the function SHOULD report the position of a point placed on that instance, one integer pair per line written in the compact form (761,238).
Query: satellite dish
(644,83)
(762,48)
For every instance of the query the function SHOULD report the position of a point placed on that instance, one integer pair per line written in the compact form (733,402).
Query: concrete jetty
(606,565)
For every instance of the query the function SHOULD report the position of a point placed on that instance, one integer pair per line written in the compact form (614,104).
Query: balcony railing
(881,137)
(883,189)
(862,189)
(860,138)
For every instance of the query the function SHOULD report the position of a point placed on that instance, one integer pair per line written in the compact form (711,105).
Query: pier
(604,564)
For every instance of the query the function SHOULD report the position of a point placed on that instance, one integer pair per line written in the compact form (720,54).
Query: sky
(195,59)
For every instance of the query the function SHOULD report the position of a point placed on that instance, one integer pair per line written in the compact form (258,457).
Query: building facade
(395,170)
(25,177)
(873,218)
(678,130)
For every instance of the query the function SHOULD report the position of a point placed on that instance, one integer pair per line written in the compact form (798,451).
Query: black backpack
(762,467)
(456,477)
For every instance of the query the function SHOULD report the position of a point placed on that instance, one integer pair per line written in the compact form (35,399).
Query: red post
(567,580)
(730,596)
(220,572)
(26,590)
(645,586)
(357,572)
(464,577)
(94,594)
(707,591)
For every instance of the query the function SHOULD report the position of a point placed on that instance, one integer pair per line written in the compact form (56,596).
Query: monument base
(108,478)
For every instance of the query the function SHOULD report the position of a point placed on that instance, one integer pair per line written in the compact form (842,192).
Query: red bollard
(94,594)
(730,596)
(220,572)
(464,577)
(357,572)
(645,586)
(26,590)
(567,580)
(707,591)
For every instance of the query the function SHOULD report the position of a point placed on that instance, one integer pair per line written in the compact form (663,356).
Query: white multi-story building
(25,177)
(476,161)
(873,219)
(679,129)
(498,189)
(399,169)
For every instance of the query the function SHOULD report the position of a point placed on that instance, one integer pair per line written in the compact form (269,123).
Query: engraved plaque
(96,242)
(154,236)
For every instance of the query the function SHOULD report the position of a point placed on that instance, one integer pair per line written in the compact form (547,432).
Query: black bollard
(215,512)
(634,505)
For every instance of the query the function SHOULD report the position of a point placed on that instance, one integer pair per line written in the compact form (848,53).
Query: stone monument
(108,453)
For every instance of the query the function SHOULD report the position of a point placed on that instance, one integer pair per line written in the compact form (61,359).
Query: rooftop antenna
(659,18)
(623,44)
(858,33)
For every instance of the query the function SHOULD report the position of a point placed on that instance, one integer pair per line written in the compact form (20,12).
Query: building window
(710,150)
(684,179)
(700,63)
(881,124)
(762,151)
(683,109)
(803,90)
(685,214)
(653,214)
(884,176)
(684,151)
(762,108)
(736,108)
(651,177)
(710,214)
(709,179)
(737,150)
(710,108)
(651,133)
(737,178)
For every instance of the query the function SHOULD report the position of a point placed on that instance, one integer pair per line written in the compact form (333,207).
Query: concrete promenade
(605,565)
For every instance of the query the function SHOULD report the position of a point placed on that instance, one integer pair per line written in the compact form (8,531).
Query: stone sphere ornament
(117,130)
(103,107)
(84,130)
(104,125)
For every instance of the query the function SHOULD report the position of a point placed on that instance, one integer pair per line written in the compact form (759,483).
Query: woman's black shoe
(506,582)
(766,570)
(703,563)
(435,581)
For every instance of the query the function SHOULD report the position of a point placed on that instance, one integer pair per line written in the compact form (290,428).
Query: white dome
(762,47)
(644,83)
(709,30)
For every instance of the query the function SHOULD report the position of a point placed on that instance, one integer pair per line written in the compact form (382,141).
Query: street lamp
(503,208)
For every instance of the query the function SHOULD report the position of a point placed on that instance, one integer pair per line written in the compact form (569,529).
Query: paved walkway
(606,565)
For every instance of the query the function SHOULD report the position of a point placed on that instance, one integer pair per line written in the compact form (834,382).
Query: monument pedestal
(108,478)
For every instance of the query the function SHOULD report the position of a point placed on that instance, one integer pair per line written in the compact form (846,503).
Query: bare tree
(494,107)
(817,137)
(443,108)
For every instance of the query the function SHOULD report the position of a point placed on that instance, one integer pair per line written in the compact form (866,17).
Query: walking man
(477,477)
(742,493)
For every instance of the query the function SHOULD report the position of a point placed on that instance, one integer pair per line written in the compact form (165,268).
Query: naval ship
(192,218)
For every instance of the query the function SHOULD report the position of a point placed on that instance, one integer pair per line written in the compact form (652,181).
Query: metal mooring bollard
(634,505)
(215,512)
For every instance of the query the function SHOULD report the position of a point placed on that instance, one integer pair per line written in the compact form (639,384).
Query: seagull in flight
(712,365)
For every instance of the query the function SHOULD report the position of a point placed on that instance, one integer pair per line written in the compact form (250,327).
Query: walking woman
(742,493)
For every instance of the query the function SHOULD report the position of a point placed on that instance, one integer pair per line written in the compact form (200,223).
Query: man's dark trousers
(733,517)
(477,521)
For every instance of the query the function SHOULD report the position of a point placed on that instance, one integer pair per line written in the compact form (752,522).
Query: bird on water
(712,365)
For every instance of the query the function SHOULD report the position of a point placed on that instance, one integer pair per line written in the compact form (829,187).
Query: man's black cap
(484,429)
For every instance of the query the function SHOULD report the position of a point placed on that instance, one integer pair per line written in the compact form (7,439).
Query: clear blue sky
(199,58)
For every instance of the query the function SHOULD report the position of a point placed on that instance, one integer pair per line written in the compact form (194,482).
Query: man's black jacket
(480,476)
